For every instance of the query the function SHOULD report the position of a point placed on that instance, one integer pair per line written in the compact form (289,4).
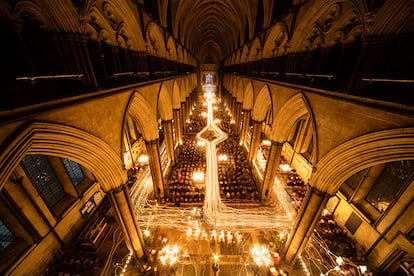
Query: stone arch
(155,38)
(67,142)
(171,49)
(114,23)
(387,23)
(255,52)
(233,59)
(244,54)
(234,86)
(183,89)
(262,104)
(239,91)
(144,115)
(360,153)
(237,59)
(248,96)
(277,38)
(176,95)
(180,53)
(296,108)
(165,107)
(331,22)
(42,13)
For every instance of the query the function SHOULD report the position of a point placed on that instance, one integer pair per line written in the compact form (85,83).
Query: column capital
(176,109)
(118,189)
(276,143)
(169,121)
(151,142)
(257,122)
(318,192)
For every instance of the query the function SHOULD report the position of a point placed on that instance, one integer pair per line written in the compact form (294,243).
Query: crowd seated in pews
(235,178)
(338,241)
(182,187)
(295,187)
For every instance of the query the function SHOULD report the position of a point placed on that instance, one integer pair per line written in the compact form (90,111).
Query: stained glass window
(6,236)
(393,178)
(43,176)
(74,171)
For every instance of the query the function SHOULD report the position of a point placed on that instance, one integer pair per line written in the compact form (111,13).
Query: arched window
(44,178)
(74,171)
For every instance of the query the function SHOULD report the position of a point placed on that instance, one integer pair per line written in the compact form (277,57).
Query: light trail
(214,213)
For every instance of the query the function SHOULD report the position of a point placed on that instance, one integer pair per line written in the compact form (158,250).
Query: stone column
(309,214)
(272,166)
(177,125)
(246,125)
(254,144)
(187,105)
(234,110)
(182,116)
(237,118)
(155,166)
(125,215)
(169,142)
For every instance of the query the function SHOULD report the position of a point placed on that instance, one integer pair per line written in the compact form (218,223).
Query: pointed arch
(325,22)
(262,103)
(239,91)
(255,52)
(176,95)
(293,110)
(238,56)
(164,103)
(155,37)
(360,153)
(248,96)
(66,142)
(180,53)
(171,49)
(276,39)
(244,54)
(144,115)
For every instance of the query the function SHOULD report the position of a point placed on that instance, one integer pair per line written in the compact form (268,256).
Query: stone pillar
(182,116)
(246,125)
(187,105)
(272,166)
(309,214)
(155,166)
(254,145)
(367,183)
(177,125)
(234,109)
(237,118)
(125,215)
(169,142)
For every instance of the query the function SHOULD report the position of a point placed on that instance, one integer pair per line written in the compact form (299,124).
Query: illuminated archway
(360,153)
(165,107)
(67,142)
(145,116)
(262,103)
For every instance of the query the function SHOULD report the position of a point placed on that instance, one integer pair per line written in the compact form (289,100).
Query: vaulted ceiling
(214,27)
